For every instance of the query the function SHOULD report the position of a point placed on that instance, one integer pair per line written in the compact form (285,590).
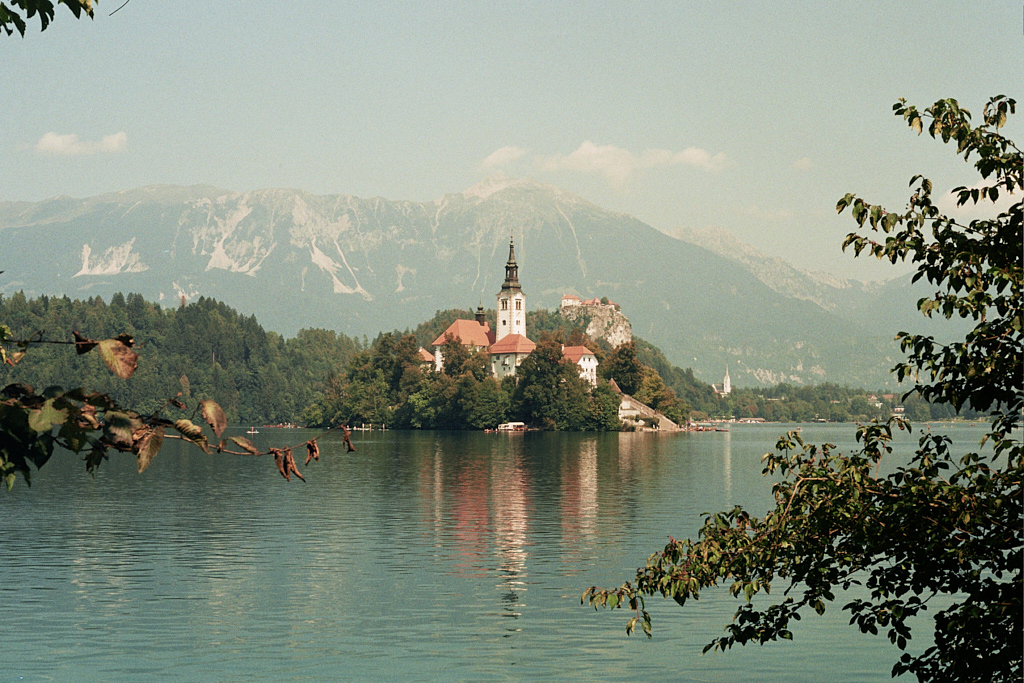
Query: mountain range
(361,266)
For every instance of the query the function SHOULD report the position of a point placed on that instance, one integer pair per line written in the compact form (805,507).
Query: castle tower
(511,300)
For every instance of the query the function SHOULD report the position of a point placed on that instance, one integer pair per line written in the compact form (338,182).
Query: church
(508,345)
(725,388)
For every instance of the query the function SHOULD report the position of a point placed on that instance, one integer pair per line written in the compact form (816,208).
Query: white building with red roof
(508,353)
(476,334)
(585,358)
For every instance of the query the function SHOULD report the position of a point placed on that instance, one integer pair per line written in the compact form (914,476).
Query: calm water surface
(421,556)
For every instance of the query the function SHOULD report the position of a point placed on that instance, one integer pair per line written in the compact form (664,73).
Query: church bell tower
(511,300)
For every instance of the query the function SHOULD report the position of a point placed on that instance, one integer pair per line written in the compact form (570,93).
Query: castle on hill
(508,345)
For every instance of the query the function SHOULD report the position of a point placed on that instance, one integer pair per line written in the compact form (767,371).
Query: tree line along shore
(206,349)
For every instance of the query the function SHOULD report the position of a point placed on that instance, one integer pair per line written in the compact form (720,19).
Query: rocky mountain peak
(362,266)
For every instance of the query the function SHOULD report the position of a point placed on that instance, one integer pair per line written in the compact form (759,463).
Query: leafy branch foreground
(92,424)
(13,15)
(942,525)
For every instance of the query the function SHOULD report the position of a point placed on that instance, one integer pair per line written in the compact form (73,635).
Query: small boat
(253,430)
(512,427)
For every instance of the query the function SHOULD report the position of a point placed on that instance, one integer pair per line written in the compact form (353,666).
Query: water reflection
(420,556)
(509,480)
(727,463)
(470,517)
(579,495)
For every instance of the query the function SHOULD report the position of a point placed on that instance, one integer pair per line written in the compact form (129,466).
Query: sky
(751,117)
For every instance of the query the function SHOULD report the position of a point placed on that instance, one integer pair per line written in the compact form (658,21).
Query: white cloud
(619,164)
(501,157)
(700,158)
(985,208)
(803,164)
(70,145)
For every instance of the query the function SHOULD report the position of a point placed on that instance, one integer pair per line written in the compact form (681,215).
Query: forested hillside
(207,349)
(204,349)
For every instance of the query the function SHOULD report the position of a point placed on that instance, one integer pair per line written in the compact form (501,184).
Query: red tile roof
(512,343)
(470,332)
(424,355)
(574,353)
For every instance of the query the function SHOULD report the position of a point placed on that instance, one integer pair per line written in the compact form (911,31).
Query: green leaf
(44,418)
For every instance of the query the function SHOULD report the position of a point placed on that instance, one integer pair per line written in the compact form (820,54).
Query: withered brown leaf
(289,464)
(279,461)
(249,446)
(87,417)
(214,416)
(312,451)
(118,356)
(82,344)
(147,443)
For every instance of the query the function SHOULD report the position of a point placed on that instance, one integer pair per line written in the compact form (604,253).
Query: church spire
(511,268)
(511,300)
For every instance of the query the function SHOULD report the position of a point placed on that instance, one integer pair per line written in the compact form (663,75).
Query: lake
(420,556)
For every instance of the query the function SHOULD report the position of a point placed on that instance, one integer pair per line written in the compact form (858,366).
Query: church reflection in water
(579,496)
(509,486)
(485,505)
